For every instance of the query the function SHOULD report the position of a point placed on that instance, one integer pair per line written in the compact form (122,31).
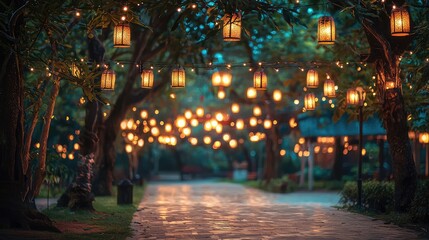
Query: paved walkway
(231,211)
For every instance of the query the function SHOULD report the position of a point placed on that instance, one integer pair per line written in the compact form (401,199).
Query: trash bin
(125,192)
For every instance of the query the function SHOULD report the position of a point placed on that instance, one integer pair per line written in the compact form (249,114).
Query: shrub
(420,207)
(376,195)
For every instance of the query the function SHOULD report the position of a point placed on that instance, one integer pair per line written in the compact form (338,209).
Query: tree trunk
(337,169)
(404,170)
(13,212)
(41,169)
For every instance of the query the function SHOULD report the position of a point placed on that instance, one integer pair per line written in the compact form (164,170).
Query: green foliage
(376,195)
(113,219)
(419,211)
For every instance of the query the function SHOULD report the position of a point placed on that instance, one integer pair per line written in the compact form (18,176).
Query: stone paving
(231,211)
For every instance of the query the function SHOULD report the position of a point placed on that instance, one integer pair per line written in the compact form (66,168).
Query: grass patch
(110,221)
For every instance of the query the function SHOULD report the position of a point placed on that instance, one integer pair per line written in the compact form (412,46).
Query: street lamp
(359,95)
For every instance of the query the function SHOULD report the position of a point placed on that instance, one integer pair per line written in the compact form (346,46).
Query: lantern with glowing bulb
(277,95)
(329,88)
(268,123)
(326,30)
(221,94)
(251,93)
(239,124)
(180,122)
(260,80)
(312,79)
(108,79)
(253,121)
(235,108)
(233,143)
(232,27)
(178,78)
(400,22)
(309,101)
(424,137)
(199,111)
(257,111)
(122,35)
(147,78)
(221,79)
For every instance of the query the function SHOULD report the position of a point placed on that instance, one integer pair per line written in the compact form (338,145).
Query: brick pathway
(230,211)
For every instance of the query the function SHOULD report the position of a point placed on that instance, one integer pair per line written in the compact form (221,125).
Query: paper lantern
(253,121)
(309,101)
(312,79)
(233,143)
(232,27)
(326,30)
(352,97)
(277,95)
(329,88)
(260,80)
(108,78)
(400,22)
(178,78)
(180,122)
(268,123)
(251,93)
(221,79)
(239,124)
(257,111)
(199,111)
(235,108)
(147,78)
(122,35)
(221,94)
(424,137)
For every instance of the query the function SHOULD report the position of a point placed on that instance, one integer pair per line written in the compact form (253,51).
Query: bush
(419,211)
(376,195)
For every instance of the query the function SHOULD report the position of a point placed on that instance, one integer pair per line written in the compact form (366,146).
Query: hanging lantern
(180,122)
(233,143)
(122,35)
(312,79)
(199,111)
(221,94)
(232,27)
(352,97)
(108,78)
(400,22)
(253,121)
(221,79)
(268,123)
(235,108)
(251,93)
(309,101)
(239,124)
(178,78)
(390,85)
(260,80)
(329,88)
(277,95)
(257,111)
(326,30)
(147,78)
(424,137)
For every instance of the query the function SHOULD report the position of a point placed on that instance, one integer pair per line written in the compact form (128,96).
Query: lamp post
(356,96)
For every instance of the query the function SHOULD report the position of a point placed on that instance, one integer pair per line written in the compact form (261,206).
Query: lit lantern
(329,88)
(390,85)
(187,131)
(168,127)
(207,140)
(253,121)
(233,143)
(154,131)
(122,35)
(312,79)
(180,122)
(208,126)
(251,93)
(140,143)
(219,117)
(188,114)
(268,123)
(226,137)
(309,101)
(217,145)
(232,27)
(178,78)
(75,71)
(221,79)
(143,114)
(108,78)
(400,22)
(257,111)
(194,122)
(277,95)
(326,30)
(219,129)
(352,97)
(235,108)
(424,137)
(128,148)
(200,112)
(239,124)
(147,78)
(260,80)
(221,94)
